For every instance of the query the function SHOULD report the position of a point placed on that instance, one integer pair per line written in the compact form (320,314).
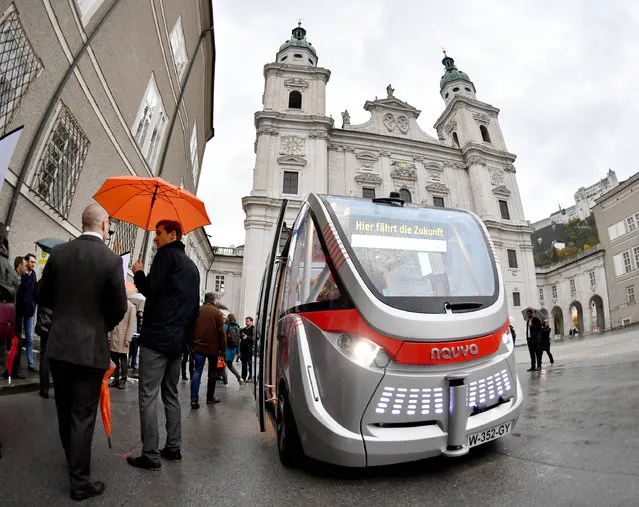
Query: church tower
(473,127)
(290,151)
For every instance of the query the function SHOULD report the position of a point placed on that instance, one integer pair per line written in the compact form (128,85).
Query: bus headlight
(362,351)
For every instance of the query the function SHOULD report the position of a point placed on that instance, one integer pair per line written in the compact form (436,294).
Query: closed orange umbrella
(146,201)
(105,402)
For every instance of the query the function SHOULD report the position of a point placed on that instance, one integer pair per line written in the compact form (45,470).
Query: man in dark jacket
(83,285)
(209,342)
(172,303)
(26,306)
(247,335)
(533,340)
(545,343)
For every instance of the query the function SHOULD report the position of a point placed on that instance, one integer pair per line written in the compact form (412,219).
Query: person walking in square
(26,307)
(172,291)
(232,330)
(120,339)
(545,343)
(83,286)
(208,343)
(533,340)
(246,349)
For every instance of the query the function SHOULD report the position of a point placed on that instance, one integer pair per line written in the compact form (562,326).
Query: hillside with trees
(577,236)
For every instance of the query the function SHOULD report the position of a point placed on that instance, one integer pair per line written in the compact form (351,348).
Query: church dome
(452,73)
(298,40)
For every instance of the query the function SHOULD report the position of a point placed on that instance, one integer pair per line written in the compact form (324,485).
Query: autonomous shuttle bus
(383,334)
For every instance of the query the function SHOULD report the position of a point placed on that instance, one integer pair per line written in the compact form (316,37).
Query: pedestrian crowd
(538,340)
(85,322)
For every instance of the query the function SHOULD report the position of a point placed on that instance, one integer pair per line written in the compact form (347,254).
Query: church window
(290,181)
(438,202)
(467,89)
(295,100)
(456,89)
(503,209)
(368,193)
(404,194)
(311,61)
(297,55)
(447,95)
(484,133)
(283,58)
(516,299)
(512,258)
(455,139)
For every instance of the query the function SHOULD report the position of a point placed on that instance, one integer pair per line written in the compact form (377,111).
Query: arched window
(295,100)
(455,139)
(484,133)
(405,195)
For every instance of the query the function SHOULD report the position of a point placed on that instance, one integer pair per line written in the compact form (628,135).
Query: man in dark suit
(172,291)
(83,285)
(533,340)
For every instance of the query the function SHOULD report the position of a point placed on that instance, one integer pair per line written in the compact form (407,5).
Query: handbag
(7,321)
(221,363)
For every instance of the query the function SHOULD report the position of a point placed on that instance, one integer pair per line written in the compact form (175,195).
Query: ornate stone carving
(402,124)
(456,165)
(367,161)
(389,91)
(335,147)
(296,83)
(320,134)
(368,179)
(349,148)
(452,125)
(437,188)
(433,166)
(292,145)
(267,130)
(291,160)
(346,118)
(496,176)
(509,168)
(475,159)
(481,118)
(403,171)
(501,190)
(389,122)
(385,153)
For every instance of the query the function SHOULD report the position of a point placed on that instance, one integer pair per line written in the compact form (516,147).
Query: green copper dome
(452,73)
(298,40)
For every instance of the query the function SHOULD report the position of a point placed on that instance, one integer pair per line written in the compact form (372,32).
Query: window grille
(593,279)
(289,184)
(630,294)
(124,236)
(368,193)
(178,48)
(19,66)
(219,283)
(61,162)
(150,125)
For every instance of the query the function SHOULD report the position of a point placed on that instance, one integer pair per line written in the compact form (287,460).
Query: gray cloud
(562,73)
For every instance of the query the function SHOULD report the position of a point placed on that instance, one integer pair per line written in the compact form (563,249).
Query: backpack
(232,336)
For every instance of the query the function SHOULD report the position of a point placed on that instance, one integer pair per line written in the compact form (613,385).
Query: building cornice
(517,228)
(461,101)
(286,69)
(476,153)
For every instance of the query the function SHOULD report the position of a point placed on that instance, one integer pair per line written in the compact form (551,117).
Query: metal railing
(568,260)
(228,251)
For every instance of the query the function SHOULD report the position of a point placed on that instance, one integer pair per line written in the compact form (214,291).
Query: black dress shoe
(531,369)
(175,456)
(214,400)
(143,462)
(93,489)
(44,394)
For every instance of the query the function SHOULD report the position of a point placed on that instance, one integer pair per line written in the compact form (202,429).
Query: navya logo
(454,352)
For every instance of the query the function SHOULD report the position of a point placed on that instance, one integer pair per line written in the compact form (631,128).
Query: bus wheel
(288,439)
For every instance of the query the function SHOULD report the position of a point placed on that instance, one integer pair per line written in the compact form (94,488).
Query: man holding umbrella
(83,285)
(172,291)
(533,339)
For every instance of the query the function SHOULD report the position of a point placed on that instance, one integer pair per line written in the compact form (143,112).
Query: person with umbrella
(83,285)
(533,339)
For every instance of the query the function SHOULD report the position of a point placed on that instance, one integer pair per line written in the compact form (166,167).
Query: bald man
(83,285)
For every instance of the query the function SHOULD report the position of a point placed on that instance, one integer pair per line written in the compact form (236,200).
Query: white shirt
(91,233)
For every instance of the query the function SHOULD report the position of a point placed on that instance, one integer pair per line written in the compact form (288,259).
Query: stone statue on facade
(346,118)
(390,90)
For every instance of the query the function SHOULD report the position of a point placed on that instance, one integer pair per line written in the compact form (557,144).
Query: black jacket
(246,344)
(26,300)
(545,334)
(172,291)
(83,285)
(43,322)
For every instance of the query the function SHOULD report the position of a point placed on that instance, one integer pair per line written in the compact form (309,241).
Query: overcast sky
(564,75)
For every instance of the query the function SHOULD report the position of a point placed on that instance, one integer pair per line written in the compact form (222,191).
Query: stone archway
(557,321)
(597,316)
(577,317)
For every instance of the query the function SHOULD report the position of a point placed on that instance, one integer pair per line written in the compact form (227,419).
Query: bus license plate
(481,437)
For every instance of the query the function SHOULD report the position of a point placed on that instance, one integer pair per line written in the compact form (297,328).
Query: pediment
(291,160)
(371,179)
(366,155)
(501,190)
(437,188)
(391,103)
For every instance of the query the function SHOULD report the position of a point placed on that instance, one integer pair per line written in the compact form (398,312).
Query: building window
(554,291)
(368,193)
(219,283)
(630,294)
(405,195)
(295,100)
(283,58)
(123,238)
(62,160)
(593,279)
(541,295)
(178,48)
(573,287)
(19,66)
(438,202)
(455,139)
(516,299)
(630,221)
(635,253)
(512,258)
(627,264)
(289,185)
(311,61)
(484,133)
(503,209)
(87,8)
(626,322)
(195,164)
(150,124)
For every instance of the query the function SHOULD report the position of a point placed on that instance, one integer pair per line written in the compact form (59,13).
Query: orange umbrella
(146,201)
(105,402)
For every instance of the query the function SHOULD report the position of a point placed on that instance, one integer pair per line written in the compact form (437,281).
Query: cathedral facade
(299,149)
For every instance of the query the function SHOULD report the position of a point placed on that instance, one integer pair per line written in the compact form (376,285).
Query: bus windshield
(408,253)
